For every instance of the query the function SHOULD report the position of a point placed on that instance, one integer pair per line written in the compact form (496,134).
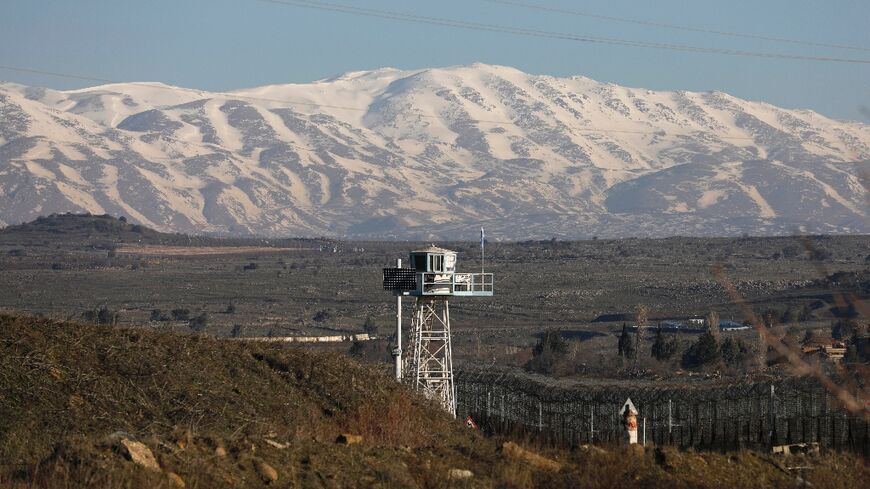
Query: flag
(482,237)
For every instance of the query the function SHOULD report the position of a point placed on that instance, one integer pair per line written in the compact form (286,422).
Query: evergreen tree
(851,355)
(663,348)
(369,326)
(548,352)
(702,352)
(734,352)
(198,323)
(155,315)
(842,328)
(626,345)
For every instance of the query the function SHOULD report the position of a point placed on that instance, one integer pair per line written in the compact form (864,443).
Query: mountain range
(432,154)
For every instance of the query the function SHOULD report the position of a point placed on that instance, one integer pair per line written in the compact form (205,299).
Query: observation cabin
(433,273)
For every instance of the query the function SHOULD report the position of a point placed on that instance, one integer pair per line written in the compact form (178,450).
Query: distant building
(728,325)
(829,348)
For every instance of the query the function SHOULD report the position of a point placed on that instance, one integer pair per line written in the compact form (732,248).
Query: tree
(102,315)
(856,351)
(155,315)
(789,316)
(842,328)
(180,314)
(626,345)
(198,323)
(806,313)
(851,355)
(105,316)
(702,352)
(641,315)
(663,348)
(369,326)
(734,352)
(820,254)
(712,321)
(548,352)
(770,318)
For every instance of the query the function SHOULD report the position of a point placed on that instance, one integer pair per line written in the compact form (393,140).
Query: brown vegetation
(218,413)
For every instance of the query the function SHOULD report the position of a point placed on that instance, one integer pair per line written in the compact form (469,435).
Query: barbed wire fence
(724,416)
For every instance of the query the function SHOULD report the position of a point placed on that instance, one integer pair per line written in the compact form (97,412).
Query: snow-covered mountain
(431,153)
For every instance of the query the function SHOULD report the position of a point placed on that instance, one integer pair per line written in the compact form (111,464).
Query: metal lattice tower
(432,280)
(432,356)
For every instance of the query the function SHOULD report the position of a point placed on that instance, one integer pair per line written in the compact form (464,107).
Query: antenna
(482,241)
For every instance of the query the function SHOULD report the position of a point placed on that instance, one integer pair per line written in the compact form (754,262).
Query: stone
(139,454)
(459,474)
(266,472)
(515,451)
(278,445)
(220,451)
(593,449)
(176,480)
(349,439)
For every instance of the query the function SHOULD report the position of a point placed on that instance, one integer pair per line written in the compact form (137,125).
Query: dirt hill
(221,413)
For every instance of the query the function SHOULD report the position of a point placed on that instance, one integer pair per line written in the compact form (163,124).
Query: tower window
(436,263)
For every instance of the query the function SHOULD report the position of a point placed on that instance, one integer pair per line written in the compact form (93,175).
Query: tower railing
(473,283)
(456,284)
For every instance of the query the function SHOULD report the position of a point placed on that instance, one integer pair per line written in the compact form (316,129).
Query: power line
(672,26)
(477,26)
(286,102)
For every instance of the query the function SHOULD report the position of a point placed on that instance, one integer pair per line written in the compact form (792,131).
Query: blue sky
(225,44)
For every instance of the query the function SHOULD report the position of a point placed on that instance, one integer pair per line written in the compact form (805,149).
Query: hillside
(216,412)
(104,232)
(430,154)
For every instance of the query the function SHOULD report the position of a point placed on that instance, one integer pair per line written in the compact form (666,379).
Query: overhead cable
(663,25)
(477,26)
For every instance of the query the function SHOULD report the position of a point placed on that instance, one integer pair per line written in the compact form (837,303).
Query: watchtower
(432,280)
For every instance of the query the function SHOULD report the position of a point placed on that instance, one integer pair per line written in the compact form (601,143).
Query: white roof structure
(433,249)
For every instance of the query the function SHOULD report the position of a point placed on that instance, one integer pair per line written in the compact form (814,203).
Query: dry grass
(65,387)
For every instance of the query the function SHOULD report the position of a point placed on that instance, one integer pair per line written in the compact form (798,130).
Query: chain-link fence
(721,416)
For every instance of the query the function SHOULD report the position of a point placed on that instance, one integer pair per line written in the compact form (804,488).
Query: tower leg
(431,366)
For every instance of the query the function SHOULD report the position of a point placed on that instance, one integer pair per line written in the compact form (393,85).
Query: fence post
(592,423)
(644,431)
(771,418)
